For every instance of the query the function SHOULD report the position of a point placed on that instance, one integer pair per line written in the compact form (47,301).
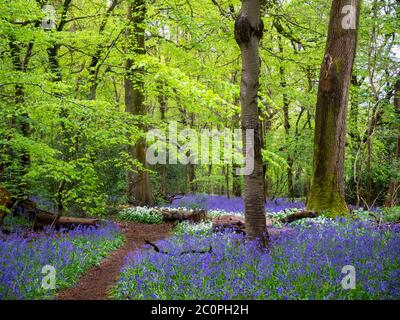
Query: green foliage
(385,215)
(77,142)
(391,214)
(141,214)
(4,209)
(11,222)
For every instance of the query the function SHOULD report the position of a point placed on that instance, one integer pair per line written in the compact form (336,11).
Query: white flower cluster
(190,228)
(141,214)
(175,209)
(219,213)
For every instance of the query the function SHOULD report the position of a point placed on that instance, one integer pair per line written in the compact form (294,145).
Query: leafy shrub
(12,223)
(381,214)
(141,214)
(391,214)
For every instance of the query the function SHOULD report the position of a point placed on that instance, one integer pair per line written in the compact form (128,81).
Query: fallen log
(238,224)
(298,215)
(40,218)
(235,223)
(43,219)
(172,215)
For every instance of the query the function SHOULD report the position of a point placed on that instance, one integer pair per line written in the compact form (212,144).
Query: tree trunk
(190,169)
(266,125)
(192,166)
(163,108)
(43,219)
(354,112)
(5,203)
(236,179)
(172,215)
(227,174)
(327,186)
(139,188)
(21,121)
(236,185)
(66,136)
(286,125)
(210,185)
(94,64)
(248,32)
(394,186)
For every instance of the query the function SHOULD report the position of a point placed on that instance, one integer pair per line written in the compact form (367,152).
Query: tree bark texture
(139,188)
(248,32)
(327,185)
(394,186)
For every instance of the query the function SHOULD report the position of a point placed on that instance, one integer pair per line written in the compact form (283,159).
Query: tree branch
(158,250)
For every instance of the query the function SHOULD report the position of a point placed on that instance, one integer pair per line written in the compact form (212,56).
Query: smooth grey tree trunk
(248,32)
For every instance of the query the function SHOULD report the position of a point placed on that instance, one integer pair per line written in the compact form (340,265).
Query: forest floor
(95,284)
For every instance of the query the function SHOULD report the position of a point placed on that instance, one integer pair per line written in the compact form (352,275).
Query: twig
(195,251)
(157,249)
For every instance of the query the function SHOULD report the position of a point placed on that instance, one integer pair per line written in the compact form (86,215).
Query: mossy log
(40,217)
(298,216)
(238,223)
(172,215)
(229,222)
(47,219)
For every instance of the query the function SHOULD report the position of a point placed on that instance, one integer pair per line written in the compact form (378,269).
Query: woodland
(306,92)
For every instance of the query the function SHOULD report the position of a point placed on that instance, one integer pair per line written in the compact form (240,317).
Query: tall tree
(394,186)
(248,32)
(163,108)
(20,121)
(95,63)
(139,188)
(327,185)
(286,124)
(56,76)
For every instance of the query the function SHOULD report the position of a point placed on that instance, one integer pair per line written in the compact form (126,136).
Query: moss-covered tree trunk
(139,188)
(394,186)
(327,185)
(248,32)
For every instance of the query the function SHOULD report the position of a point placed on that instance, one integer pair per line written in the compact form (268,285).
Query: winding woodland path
(96,282)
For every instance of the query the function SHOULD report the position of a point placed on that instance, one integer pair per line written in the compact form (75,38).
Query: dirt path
(95,283)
